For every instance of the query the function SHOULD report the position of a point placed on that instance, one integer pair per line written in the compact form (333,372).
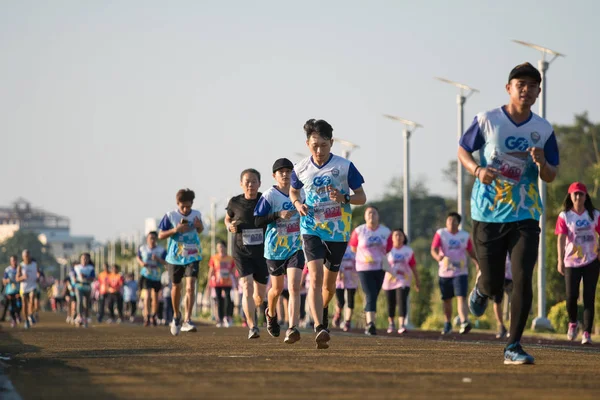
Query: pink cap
(577,187)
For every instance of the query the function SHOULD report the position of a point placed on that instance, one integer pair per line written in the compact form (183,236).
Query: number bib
(510,168)
(584,239)
(190,250)
(329,211)
(288,227)
(252,237)
(224,273)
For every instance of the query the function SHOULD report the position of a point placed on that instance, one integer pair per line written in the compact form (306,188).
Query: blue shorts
(451,287)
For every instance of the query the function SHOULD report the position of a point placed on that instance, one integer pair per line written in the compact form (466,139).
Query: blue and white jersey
(84,275)
(503,145)
(282,238)
(152,268)
(182,248)
(12,287)
(329,220)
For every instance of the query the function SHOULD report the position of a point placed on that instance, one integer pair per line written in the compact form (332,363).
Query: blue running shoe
(447,328)
(477,302)
(515,355)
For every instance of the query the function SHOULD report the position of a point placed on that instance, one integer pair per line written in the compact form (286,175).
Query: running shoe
(370,329)
(175,326)
(402,330)
(132,319)
(226,323)
(119,320)
(515,355)
(346,326)
(13,323)
(477,302)
(292,335)
(273,326)
(585,338)
(32,320)
(188,326)
(391,328)
(572,332)
(337,319)
(465,328)
(254,333)
(447,328)
(322,338)
(27,325)
(502,332)
(146,322)
(154,320)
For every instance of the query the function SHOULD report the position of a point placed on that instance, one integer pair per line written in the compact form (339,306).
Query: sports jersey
(454,248)
(581,247)
(151,270)
(29,284)
(249,239)
(503,145)
(329,220)
(12,287)
(402,262)
(282,236)
(371,246)
(182,248)
(84,275)
(223,267)
(347,277)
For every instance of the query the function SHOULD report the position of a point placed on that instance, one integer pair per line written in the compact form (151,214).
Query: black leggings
(131,307)
(115,299)
(520,239)
(223,303)
(573,277)
(399,295)
(302,306)
(341,301)
(12,306)
(371,282)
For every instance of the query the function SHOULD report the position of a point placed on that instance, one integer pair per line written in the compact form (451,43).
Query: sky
(108,108)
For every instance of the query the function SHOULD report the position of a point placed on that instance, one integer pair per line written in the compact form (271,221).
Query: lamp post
(465,92)
(542,323)
(347,147)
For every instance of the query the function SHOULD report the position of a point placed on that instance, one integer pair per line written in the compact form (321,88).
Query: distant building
(53,230)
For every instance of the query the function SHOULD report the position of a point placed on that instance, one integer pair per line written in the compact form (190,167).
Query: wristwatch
(346,198)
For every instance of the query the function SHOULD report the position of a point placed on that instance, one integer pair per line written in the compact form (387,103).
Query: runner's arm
(561,242)
(359,197)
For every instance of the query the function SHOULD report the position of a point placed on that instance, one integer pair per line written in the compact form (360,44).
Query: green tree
(26,240)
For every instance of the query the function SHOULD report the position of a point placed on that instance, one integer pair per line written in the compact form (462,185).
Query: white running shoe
(572,332)
(188,326)
(585,338)
(175,326)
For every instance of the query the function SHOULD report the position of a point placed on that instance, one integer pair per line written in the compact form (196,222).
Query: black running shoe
(322,338)
(272,325)
(370,329)
(292,335)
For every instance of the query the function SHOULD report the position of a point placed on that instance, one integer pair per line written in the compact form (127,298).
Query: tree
(26,240)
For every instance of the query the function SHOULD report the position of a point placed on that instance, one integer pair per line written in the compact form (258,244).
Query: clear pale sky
(109,107)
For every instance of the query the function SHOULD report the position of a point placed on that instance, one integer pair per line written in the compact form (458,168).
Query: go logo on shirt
(287,206)
(582,223)
(515,143)
(322,181)
(454,244)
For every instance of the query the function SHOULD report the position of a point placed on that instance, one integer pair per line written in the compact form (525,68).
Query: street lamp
(347,147)
(465,92)
(541,322)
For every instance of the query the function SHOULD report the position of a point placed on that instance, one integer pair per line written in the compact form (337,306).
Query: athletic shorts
(331,253)
(177,272)
(508,285)
(149,284)
(257,267)
(279,267)
(454,287)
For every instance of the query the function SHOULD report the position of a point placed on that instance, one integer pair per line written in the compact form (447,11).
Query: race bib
(288,227)
(190,250)
(252,237)
(510,168)
(583,239)
(224,274)
(329,211)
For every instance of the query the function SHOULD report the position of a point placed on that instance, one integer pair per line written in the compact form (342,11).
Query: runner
(326,217)
(130,289)
(397,281)
(283,249)
(248,247)
(220,277)
(515,147)
(11,289)
(84,275)
(115,283)
(371,242)
(508,284)
(150,257)
(345,290)
(103,291)
(40,284)
(450,248)
(577,227)
(184,252)
(27,275)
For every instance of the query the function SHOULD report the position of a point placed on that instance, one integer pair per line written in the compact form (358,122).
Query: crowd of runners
(294,245)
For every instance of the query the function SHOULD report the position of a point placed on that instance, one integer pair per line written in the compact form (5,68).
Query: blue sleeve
(163,255)
(296,183)
(355,179)
(139,253)
(551,150)
(5,274)
(165,224)
(472,140)
(93,274)
(263,207)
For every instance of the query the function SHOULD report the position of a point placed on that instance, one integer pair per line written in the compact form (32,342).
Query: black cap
(525,70)
(282,163)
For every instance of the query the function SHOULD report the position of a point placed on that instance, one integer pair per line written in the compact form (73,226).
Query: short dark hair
(184,195)
(250,171)
(221,242)
(456,215)
(15,257)
(402,231)
(371,206)
(153,233)
(320,127)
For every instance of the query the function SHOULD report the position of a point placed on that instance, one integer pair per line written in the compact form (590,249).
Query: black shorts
(508,285)
(331,253)
(453,287)
(149,284)
(257,267)
(279,267)
(177,272)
